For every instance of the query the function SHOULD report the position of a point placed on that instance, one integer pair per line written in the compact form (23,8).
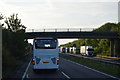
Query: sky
(47,14)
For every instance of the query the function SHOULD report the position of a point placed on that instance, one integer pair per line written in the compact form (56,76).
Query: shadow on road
(45,71)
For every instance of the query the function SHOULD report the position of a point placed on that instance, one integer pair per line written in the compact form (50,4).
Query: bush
(13,50)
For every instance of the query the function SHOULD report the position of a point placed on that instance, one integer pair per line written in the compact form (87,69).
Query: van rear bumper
(52,67)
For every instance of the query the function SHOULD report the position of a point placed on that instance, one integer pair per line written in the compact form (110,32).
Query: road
(67,70)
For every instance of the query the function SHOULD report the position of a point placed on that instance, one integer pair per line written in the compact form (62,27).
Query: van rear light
(33,61)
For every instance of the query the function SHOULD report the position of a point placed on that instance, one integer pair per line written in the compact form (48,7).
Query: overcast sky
(40,14)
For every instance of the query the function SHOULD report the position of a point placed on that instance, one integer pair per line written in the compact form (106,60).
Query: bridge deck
(108,35)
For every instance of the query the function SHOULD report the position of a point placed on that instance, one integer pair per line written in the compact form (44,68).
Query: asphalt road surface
(67,70)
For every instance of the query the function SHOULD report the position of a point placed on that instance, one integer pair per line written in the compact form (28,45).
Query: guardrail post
(32,30)
(67,30)
(80,29)
(44,30)
(55,30)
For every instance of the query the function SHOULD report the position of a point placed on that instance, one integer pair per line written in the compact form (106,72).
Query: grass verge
(114,70)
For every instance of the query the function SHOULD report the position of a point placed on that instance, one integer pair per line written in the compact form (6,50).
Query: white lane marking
(92,69)
(65,75)
(26,70)
(27,76)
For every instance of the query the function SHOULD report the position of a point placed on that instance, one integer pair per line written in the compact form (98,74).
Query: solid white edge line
(26,70)
(92,69)
(65,75)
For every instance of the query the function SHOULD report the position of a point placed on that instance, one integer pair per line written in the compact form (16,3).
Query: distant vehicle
(45,53)
(67,50)
(62,49)
(72,50)
(87,51)
(77,50)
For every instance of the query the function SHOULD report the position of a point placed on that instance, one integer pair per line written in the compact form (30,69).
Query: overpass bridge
(77,33)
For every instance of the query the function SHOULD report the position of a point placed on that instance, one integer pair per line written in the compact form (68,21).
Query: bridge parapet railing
(62,30)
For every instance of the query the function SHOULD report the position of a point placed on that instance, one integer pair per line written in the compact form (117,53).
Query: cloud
(60,13)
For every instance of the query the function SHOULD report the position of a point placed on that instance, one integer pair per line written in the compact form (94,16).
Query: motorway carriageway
(67,70)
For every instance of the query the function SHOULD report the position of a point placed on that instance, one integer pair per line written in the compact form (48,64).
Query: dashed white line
(92,69)
(27,76)
(65,75)
(26,70)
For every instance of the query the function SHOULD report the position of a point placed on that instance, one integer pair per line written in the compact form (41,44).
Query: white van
(45,53)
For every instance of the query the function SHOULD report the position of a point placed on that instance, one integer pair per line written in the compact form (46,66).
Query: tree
(1,17)
(14,24)
(14,35)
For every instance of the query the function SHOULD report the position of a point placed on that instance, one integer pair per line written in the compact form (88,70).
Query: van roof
(44,38)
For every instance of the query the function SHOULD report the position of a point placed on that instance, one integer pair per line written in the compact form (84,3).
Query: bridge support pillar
(114,47)
(111,47)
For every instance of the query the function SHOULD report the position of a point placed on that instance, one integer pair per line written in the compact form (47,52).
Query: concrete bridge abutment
(114,47)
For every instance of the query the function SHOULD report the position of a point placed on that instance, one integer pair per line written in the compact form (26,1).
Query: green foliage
(13,23)
(108,27)
(13,43)
(1,17)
